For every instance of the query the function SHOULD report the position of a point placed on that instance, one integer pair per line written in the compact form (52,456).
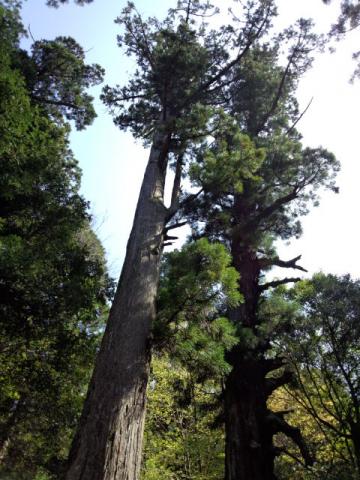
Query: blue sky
(113,164)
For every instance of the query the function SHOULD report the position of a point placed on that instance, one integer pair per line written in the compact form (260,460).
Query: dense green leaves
(182,438)
(197,285)
(200,59)
(53,281)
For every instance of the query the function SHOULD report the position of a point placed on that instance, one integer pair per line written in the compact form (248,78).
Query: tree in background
(53,281)
(323,348)
(182,435)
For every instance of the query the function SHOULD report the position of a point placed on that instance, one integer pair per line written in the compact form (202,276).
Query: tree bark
(108,443)
(249,453)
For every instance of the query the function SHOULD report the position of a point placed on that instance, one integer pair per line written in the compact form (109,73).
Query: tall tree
(249,214)
(183,72)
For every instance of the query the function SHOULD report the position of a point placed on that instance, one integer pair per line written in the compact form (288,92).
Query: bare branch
(175,225)
(276,283)
(267,262)
(279,424)
(289,130)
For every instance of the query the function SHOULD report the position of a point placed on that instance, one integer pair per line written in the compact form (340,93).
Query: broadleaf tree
(323,348)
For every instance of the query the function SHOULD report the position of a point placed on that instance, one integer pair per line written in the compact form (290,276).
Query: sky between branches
(113,164)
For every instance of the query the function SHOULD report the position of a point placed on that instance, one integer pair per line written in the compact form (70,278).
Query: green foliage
(230,160)
(155,86)
(57,3)
(55,74)
(323,349)
(53,281)
(182,441)
(177,97)
(57,78)
(196,284)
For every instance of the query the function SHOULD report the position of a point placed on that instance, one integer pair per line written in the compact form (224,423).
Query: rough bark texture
(249,424)
(108,443)
(248,449)
(249,452)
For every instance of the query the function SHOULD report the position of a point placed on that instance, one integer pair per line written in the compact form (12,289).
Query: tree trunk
(355,438)
(248,449)
(108,443)
(249,454)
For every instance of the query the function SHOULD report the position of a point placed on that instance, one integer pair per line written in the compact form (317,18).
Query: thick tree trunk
(108,443)
(249,454)
(248,450)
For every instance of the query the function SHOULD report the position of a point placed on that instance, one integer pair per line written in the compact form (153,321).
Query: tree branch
(267,262)
(234,62)
(277,97)
(175,225)
(272,384)
(275,206)
(58,103)
(279,424)
(276,283)
(190,198)
(175,194)
(289,130)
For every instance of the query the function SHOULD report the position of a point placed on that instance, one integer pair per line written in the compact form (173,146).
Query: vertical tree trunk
(248,444)
(108,443)
(248,449)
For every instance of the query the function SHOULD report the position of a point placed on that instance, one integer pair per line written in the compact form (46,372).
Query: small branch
(30,33)
(277,96)
(190,198)
(58,103)
(276,283)
(168,237)
(289,130)
(267,262)
(291,455)
(127,98)
(271,364)
(181,205)
(175,225)
(268,211)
